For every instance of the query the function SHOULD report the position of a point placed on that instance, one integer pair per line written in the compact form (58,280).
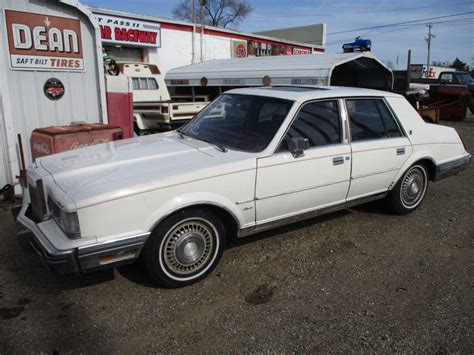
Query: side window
(371,119)
(391,127)
(319,122)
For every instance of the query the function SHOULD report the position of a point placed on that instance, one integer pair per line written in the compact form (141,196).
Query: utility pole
(201,2)
(428,40)
(193,53)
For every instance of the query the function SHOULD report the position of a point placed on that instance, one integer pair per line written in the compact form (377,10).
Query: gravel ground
(361,280)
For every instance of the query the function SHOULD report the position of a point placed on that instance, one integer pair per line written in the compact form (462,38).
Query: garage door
(125,54)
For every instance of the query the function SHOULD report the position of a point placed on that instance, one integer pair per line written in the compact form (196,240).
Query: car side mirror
(298,145)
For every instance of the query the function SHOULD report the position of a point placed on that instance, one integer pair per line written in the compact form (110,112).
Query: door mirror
(298,145)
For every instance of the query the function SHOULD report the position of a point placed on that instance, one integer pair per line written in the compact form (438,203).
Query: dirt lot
(358,280)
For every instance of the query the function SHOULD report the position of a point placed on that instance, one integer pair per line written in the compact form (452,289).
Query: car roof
(303,93)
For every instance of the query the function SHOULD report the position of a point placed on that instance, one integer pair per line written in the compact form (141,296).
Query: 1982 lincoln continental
(253,159)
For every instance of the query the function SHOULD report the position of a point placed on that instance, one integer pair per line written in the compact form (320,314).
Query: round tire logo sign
(54,89)
(241,51)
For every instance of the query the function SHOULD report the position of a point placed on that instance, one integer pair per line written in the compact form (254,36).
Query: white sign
(43,42)
(117,30)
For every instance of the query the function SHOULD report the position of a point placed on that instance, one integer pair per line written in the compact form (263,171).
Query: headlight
(67,221)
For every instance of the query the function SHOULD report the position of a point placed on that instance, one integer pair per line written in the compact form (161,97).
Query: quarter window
(319,122)
(371,119)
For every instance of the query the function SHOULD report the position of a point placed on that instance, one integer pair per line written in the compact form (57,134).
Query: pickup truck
(455,79)
(153,107)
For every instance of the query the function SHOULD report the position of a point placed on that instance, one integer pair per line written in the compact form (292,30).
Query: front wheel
(184,248)
(410,190)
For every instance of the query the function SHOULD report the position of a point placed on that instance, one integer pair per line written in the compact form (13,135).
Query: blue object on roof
(359,45)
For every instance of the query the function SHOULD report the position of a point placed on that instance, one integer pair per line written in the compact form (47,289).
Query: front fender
(194,199)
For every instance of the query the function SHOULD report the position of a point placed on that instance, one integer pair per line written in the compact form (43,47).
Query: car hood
(109,171)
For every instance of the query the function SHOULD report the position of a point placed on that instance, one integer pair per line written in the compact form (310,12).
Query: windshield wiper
(216,145)
(181,134)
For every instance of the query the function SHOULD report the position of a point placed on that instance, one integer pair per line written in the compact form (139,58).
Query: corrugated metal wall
(3,157)
(23,90)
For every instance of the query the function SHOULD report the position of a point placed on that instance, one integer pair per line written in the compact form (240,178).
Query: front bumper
(452,167)
(77,260)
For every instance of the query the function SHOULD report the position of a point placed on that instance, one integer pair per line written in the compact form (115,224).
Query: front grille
(38,203)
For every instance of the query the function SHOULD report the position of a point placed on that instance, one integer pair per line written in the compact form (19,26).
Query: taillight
(164,109)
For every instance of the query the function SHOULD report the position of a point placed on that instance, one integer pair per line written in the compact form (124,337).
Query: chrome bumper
(452,167)
(82,259)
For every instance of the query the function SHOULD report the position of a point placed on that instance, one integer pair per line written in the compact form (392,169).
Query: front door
(288,185)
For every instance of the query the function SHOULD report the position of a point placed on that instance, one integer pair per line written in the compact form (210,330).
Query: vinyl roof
(308,93)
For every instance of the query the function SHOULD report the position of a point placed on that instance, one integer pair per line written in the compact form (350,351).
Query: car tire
(184,248)
(409,192)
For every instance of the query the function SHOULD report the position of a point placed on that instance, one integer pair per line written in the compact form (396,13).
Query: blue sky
(454,35)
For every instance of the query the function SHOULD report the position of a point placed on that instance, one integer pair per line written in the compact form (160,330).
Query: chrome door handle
(400,151)
(338,161)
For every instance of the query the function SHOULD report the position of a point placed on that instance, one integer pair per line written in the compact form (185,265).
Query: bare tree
(218,13)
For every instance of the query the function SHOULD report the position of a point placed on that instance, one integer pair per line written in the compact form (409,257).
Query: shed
(344,69)
(51,73)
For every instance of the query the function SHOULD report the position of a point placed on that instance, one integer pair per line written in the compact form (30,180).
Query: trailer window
(144,84)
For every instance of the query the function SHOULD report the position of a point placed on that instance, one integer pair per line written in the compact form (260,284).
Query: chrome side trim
(452,167)
(244,232)
(376,173)
(300,190)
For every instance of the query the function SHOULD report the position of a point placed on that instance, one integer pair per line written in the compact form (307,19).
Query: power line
(400,23)
(407,28)
(363,12)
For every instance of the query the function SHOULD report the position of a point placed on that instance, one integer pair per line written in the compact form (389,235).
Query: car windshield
(465,78)
(240,122)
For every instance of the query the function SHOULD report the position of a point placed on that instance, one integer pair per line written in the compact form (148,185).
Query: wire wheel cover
(189,246)
(413,187)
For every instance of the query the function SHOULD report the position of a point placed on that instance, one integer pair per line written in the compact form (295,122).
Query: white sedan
(253,159)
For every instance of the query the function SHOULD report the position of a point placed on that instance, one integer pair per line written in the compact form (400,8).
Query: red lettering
(77,63)
(53,62)
(63,63)
(105,32)
(118,34)
(143,37)
(124,34)
(152,37)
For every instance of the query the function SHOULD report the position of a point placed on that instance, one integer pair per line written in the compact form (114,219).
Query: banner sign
(116,30)
(297,51)
(43,42)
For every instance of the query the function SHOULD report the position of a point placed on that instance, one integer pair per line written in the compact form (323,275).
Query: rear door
(379,146)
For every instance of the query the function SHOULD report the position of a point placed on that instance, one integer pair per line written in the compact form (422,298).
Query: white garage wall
(28,108)
(176,48)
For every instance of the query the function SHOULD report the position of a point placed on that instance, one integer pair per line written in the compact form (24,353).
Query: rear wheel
(408,193)
(184,248)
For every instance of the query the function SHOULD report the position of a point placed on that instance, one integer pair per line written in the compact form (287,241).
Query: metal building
(51,73)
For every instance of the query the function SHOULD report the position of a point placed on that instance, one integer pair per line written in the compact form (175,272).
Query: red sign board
(43,42)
